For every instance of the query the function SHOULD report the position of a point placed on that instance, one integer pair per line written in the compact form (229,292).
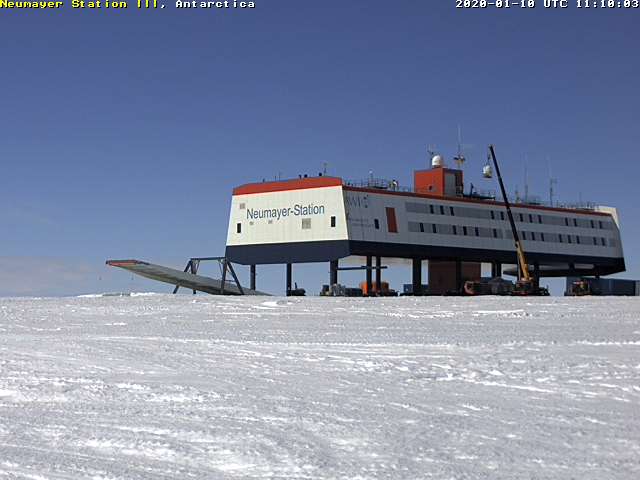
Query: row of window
(468,212)
(306,224)
(464,230)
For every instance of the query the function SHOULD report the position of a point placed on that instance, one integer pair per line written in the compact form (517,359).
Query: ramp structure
(188,278)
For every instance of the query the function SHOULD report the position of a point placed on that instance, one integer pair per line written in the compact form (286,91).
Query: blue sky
(123,132)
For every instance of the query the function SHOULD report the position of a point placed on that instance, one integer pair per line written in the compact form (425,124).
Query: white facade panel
(302,215)
(447,223)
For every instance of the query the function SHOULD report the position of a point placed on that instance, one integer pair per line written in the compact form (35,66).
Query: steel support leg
(333,272)
(458,276)
(369,274)
(378,275)
(252,277)
(289,275)
(224,276)
(416,278)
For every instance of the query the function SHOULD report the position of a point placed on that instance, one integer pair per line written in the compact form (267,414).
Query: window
(542,237)
(333,221)
(238,228)
(569,239)
(521,217)
(376,223)
(566,222)
(495,233)
(604,242)
(560,238)
(524,235)
(575,222)
(533,236)
(243,206)
(501,215)
(441,209)
(452,212)
(539,218)
(431,210)
(530,218)
(477,232)
(493,215)
(600,224)
(306,223)
(595,241)
(421,227)
(434,228)
(578,239)
(593,224)
(455,230)
(464,231)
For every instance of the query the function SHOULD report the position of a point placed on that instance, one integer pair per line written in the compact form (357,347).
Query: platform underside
(551,265)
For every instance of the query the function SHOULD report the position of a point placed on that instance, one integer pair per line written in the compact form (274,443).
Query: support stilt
(252,277)
(369,274)
(333,272)
(458,276)
(417,276)
(289,275)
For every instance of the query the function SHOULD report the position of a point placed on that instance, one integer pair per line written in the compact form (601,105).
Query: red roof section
(284,185)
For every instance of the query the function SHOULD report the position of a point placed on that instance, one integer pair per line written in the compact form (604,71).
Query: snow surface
(183,387)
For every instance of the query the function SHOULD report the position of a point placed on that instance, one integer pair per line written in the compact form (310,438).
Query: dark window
(464,230)
(376,223)
(604,242)
(521,217)
(533,236)
(477,232)
(333,221)
(431,209)
(539,218)
(595,241)
(452,212)
(566,222)
(593,224)
(441,210)
(239,228)
(569,239)
(600,224)
(578,239)
(421,227)
(493,215)
(501,215)
(530,218)
(434,228)
(455,230)
(560,238)
(542,237)
(575,222)
(495,233)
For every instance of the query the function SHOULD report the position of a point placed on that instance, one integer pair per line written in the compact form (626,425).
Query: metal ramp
(189,277)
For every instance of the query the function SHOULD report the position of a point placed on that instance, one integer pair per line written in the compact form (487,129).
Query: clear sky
(123,132)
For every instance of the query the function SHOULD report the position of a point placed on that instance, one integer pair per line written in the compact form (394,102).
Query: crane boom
(523,269)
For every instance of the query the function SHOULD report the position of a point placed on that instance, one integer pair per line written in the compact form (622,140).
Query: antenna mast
(460,158)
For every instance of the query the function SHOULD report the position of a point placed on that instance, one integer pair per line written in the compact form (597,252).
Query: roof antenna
(460,158)
(526,180)
(552,182)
